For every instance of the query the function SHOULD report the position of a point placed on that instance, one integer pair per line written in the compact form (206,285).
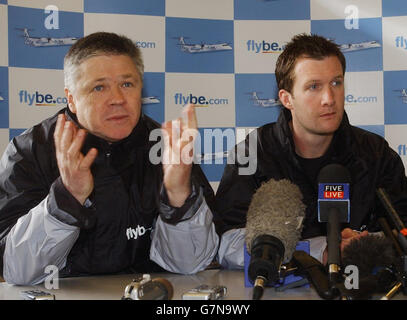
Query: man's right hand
(347,235)
(74,167)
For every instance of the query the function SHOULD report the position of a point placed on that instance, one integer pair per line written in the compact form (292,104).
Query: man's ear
(71,102)
(285,98)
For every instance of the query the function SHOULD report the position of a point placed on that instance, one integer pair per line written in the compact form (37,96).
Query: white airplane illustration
(1,98)
(403,94)
(149,100)
(348,47)
(47,41)
(198,48)
(265,103)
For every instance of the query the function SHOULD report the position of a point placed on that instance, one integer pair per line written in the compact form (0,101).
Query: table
(100,295)
(112,287)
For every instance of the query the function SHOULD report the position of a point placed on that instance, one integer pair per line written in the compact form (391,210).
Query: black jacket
(368,157)
(126,195)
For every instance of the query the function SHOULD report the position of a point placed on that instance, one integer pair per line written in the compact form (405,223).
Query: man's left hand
(178,156)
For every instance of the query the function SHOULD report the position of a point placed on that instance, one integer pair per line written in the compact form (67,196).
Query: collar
(137,138)
(341,141)
(119,154)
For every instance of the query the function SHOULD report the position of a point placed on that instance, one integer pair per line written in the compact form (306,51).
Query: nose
(117,96)
(328,98)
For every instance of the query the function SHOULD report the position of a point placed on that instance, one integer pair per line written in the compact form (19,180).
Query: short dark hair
(99,43)
(304,46)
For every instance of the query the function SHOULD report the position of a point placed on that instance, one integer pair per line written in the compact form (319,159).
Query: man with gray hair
(78,191)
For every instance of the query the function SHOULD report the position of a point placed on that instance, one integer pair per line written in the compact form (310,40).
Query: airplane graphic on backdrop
(264,103)
(348,47)
(203,47)
(149,100)
(46,41)
(1,98)
(403,94)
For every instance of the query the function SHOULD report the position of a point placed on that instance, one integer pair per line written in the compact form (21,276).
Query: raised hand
(74,167)
(179,137)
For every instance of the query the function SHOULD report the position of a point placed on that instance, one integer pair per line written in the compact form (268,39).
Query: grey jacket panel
(187,247)
(231,253)
(36,241)
(125,182)
(39,239)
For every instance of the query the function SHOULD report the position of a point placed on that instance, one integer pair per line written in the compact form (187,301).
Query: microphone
(390,235)
(145,288)
(333,208)
(369,253)
(273,228)
(394,218)
(375,259)
(401,245)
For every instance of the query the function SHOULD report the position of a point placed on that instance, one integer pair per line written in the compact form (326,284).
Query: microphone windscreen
(369,252)
(276,209)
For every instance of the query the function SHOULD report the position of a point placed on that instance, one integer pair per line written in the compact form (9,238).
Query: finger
(77,143)
(176,132)
(189,116)
(176,126)
(347,233)
(360,235)
(364,233)
(167,127)
(59,128)
(74,129)
(166,142)
(66,138)
(88,159)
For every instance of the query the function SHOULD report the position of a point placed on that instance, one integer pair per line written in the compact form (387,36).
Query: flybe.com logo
(264,46)
(199,101)
(146,44)
(350,98)
(41,99)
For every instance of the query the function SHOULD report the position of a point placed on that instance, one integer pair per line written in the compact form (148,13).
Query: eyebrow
(127,75)
(102,79)
(318,80)
(124,76)
(97,80)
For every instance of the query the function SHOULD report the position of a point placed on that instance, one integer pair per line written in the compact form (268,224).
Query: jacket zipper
(108,157)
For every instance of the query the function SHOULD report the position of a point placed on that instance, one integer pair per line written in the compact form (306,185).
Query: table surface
(112,287)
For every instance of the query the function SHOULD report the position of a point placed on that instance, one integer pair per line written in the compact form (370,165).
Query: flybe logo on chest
(137,232)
